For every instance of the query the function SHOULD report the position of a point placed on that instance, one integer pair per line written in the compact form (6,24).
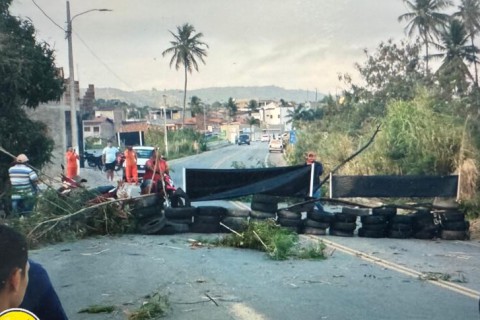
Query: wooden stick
(338,167)
(211,299)
(352,156)
(260,239)
(228,228)
(72,215)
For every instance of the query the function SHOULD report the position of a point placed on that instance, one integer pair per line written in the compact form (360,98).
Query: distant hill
(208,95)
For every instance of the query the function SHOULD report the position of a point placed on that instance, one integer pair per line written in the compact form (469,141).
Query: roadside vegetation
(423,92)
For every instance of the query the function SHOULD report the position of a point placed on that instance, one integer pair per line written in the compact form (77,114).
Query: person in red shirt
(71,158)
(153,174)
(131,172)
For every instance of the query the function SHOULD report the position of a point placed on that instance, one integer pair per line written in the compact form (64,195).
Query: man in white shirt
(109,157)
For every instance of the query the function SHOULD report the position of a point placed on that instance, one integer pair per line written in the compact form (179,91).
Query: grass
(155,306)
(279,243)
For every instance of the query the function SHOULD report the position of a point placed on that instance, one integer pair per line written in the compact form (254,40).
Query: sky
(293,44)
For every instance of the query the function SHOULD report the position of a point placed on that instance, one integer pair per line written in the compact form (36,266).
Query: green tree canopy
(28,77)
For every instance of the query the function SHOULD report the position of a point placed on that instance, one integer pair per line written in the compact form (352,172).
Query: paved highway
(361,279)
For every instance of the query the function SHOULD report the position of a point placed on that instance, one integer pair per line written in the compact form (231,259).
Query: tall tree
(251,121)
(28,77)
(455,50)
(425,17)
(185,49)
(231,107)
(196,105)
(252,106)
(469,12)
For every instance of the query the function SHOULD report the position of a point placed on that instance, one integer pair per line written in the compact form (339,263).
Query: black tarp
(393,186)
(218,184)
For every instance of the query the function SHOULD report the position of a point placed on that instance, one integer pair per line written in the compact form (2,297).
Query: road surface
(361,279)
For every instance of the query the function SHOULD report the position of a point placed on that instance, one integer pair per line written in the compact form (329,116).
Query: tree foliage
(28,77)
(185,49)
(425,17)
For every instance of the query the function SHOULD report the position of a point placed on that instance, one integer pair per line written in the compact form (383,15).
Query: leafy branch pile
(278,242)
(60,218)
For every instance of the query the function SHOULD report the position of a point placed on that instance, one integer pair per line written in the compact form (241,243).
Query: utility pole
(73,98)
(73,106)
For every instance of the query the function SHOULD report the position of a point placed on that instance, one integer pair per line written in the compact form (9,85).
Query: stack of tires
(401,227)
(290,220)
(179,220)
(343,225)
(424,226)
(148,214)
(317,224)
(373,226)
(263,207)
(453,225)
(236,219)
(207,219)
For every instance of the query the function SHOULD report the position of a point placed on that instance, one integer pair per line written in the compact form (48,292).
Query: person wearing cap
(14,267)
(311,159)
(109,156)
(131,172)
(71,158)
(23,180)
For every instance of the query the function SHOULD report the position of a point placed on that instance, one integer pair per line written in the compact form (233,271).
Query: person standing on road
(311,159)
(155,167)
(131,173)
(14,268)
(71,158)
(109,156)
(23,180)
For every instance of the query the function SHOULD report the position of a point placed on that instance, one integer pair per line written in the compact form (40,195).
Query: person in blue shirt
(311,159)
(40,297)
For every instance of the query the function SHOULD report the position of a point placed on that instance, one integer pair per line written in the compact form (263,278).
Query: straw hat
(21,158)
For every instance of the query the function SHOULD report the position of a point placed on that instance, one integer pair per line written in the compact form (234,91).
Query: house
(115,114)
(98,130)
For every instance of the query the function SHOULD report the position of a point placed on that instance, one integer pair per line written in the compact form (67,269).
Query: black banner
(218,184)
(393,186)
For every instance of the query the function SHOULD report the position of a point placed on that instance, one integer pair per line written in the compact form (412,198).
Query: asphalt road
(361,279)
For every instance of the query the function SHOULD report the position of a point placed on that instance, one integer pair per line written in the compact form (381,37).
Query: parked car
(143,154)
(275,145)
(265,138)
(243,139)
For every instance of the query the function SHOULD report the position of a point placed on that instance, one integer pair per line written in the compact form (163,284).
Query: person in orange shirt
(153,173)
(131,172)
(72,167)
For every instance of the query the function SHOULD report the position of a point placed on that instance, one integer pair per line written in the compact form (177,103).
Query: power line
(103,63)
(46,15)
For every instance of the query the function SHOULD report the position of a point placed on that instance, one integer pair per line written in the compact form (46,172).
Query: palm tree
(425,18)
(186,47)
(231,107)
(299,113)
(469,12)
(455,50)
(196,105)
(252,106)
(251,121)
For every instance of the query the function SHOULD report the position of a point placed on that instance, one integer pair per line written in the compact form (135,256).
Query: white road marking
(241,311)
(399,268)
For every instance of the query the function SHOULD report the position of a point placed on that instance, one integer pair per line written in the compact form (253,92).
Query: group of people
(109,159)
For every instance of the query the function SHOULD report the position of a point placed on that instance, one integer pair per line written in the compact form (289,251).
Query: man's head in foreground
(13,268)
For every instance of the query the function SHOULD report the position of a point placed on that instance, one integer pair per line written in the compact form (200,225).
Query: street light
(73,107)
